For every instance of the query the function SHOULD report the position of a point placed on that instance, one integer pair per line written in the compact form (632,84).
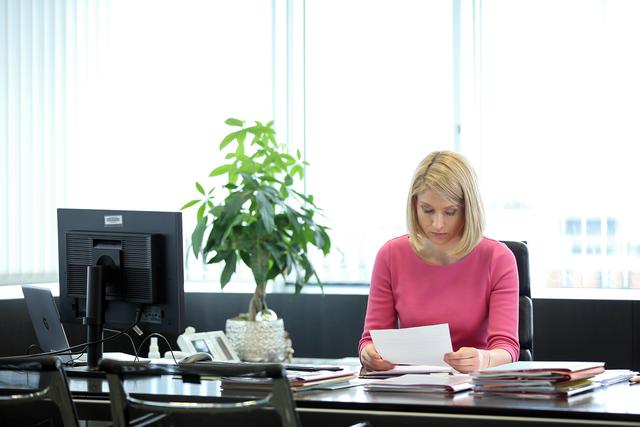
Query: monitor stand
(94,319)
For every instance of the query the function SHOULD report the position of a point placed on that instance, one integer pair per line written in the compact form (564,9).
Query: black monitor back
(146,249)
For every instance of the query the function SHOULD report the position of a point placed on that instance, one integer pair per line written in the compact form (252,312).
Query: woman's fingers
(372,360)
(466,359)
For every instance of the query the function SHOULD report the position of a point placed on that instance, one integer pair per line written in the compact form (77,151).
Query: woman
(445,271)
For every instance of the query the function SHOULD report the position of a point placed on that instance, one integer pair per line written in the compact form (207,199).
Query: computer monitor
(116,264)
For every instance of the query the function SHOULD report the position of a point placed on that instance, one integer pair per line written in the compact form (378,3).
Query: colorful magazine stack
(537,380)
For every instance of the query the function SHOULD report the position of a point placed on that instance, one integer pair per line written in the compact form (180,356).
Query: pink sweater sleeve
(502,331)
(380,305)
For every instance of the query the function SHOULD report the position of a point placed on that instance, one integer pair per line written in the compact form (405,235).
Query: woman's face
(441,220)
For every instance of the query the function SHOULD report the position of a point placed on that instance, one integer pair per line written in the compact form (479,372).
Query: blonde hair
(451,176)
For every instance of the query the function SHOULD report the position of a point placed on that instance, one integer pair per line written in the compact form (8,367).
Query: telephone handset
(214,342)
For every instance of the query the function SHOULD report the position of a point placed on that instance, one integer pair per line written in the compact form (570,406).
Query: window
(378,99)
(556,113)
(541,96)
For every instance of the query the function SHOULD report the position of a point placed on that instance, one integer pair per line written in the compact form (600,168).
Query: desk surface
(618,403)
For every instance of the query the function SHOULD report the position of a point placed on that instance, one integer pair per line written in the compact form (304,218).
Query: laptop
(45,318)
(46,322)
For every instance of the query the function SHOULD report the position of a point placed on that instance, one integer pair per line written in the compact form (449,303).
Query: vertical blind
(86,98)
(42,65)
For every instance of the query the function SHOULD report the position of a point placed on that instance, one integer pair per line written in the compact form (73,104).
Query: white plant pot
(257,341)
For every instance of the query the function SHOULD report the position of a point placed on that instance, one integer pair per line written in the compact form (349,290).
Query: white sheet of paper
(422,345)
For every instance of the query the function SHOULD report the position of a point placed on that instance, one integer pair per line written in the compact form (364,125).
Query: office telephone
(213,342)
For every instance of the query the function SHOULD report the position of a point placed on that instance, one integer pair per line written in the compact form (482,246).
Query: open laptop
(46,323)
(45,318)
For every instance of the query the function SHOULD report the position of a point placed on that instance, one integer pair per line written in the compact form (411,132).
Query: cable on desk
(83,346)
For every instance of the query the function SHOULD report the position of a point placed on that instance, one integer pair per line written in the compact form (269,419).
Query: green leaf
(308,268)
(319,238)
(242,135)
(200,189)
(284,194)
(272,194)
(229,269)
(298,154)
(196,237)
(234,122)
(220,170)
(266,211)
(275,255)
(259,264)
(306,198)
(201,209)
(293,217)
(230,186)
(232,205)
(249,167)
(220,255)
(246,258)
(327,241)
(227,140)
(233,177)
(287,160)
(189,204)
(297,169)
(273,272)
(236,220)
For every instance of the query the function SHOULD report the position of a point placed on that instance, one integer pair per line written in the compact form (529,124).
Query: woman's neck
(436,254)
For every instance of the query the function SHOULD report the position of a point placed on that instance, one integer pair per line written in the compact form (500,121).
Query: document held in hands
(422,345)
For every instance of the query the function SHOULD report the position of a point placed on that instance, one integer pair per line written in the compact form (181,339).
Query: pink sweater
(477,295)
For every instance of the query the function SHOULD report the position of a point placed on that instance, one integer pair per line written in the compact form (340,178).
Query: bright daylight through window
(541,96)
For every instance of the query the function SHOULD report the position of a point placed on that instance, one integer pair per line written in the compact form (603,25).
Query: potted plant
(262,221)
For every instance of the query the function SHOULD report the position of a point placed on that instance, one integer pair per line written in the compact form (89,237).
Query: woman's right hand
(372,361)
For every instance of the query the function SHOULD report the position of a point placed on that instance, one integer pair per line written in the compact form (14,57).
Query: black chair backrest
(279,399)
(525,304)
(52,387)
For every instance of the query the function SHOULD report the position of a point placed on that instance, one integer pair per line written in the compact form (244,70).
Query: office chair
(525,304)
(157,412)
(41,383)
(279,399)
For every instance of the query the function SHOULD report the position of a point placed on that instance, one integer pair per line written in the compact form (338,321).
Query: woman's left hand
(467,359)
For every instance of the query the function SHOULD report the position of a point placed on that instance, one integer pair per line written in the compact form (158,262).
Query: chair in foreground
(525,305)
(279,399)
(31,389)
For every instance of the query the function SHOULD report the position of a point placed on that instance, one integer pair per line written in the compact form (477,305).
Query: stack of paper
(537,380)
(613,376)
(444,384)
(406,369)
(298,380)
